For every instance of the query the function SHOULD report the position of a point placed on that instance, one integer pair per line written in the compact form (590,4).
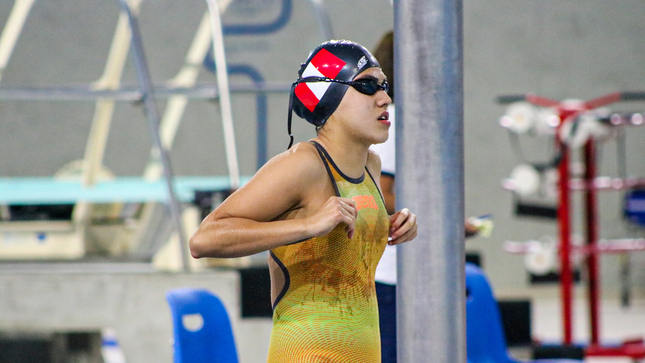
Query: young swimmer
(317,207)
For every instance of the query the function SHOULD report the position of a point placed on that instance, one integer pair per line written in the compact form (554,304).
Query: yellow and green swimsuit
(327,311)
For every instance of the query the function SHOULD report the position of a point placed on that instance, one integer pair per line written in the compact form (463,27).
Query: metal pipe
(152,114)
(225,96)
(431,315)
(564,226)
(103,112)
(130,94)
(591,211)
(12,30)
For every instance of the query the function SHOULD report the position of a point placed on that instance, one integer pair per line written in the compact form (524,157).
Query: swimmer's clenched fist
(403,227)
(335,211)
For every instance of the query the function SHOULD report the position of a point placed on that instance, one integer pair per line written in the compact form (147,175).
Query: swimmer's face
(362,115)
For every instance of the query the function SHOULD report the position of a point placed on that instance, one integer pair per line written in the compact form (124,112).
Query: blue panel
(25,190)
(635,207)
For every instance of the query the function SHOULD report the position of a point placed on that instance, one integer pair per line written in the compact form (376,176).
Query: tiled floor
(617,323)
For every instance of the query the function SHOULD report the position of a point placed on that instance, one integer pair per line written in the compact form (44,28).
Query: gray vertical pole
(431,317)
(143,74)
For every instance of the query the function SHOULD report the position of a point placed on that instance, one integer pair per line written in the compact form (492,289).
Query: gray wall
(560,50)
(556,48)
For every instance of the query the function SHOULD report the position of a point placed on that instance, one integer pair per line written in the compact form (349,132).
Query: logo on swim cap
(362,62)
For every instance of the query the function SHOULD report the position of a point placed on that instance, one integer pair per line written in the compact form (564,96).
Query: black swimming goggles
(366,86)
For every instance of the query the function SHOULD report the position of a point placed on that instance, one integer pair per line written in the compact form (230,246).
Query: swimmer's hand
(403,227)
(335,211)
(482,225)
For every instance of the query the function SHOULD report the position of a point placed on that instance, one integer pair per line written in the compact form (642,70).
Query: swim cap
(315,100)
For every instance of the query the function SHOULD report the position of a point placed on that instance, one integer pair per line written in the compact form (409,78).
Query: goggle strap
(293,87)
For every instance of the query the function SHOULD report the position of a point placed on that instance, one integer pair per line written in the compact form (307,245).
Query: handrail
(261,109)
(225,96)
(12,30)
(133,94)
(152,114)
(104,109)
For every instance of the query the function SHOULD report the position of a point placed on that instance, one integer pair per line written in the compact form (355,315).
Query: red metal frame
(564,227)
(592,240)
(591,185)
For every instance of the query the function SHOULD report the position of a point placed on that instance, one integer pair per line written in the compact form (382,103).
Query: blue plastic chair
(201,327)
(485,340)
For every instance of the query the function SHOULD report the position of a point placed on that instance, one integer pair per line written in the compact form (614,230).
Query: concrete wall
(560,49)
(129,299)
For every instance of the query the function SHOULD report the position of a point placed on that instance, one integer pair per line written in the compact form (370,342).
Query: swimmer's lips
(385,118)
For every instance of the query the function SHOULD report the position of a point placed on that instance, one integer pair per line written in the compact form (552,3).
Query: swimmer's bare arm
(280,205)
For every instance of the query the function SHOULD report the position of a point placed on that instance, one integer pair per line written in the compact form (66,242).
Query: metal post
(431,316)
(152,113)
(224,94)
(12,30)
(564,225)
(591,213)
